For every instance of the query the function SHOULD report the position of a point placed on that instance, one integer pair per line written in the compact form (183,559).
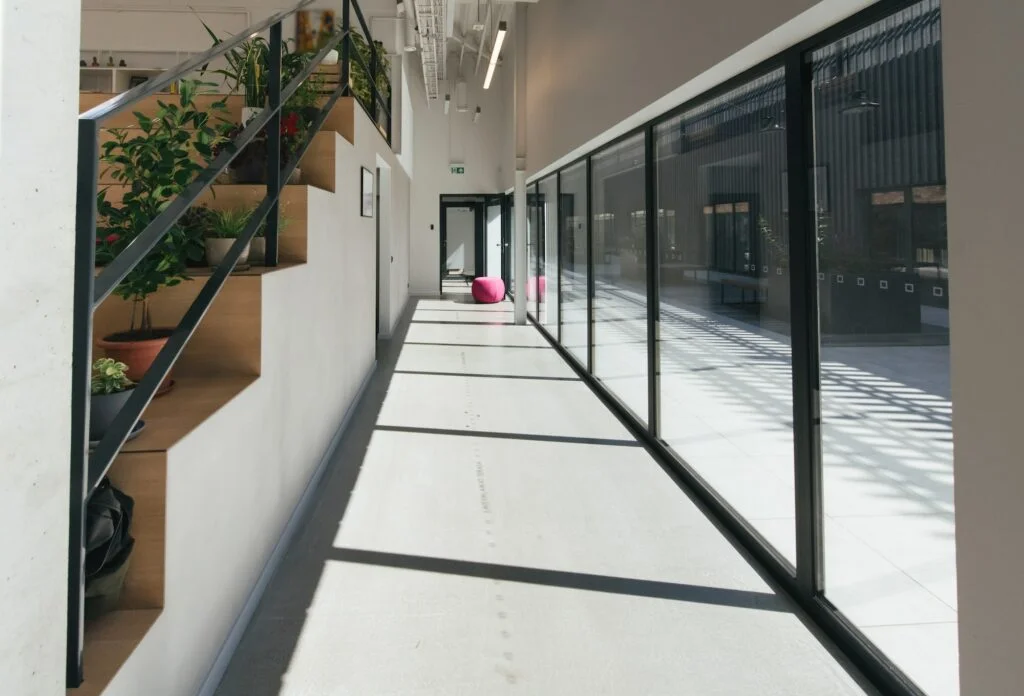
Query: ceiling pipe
(483,38)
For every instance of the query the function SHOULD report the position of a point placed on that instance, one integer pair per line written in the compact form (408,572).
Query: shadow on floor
(269,645)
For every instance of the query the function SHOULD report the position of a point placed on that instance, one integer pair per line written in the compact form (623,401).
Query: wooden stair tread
(193,400)
(109,640)
(251,271)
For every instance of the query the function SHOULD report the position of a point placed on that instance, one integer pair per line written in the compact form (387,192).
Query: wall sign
(458,169)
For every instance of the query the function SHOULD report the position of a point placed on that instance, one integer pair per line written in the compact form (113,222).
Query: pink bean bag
(531,288)
(488,290)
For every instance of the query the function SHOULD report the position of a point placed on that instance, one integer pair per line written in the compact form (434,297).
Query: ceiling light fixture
(499,39)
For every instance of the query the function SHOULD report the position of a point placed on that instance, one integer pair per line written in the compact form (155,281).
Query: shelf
(109,641)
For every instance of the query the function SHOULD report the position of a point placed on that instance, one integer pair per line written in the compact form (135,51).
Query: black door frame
(479,203)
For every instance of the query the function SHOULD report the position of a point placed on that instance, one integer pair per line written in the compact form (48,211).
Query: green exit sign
(458,170)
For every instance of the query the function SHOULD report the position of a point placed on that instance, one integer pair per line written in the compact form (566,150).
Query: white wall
(38,141)
(984,96)
(264,445)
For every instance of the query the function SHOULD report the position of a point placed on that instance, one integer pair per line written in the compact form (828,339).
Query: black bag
(108,545)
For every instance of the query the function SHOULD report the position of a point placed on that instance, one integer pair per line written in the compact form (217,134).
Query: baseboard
(298,516)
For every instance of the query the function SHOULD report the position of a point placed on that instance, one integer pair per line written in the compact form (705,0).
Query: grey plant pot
(258,251)
(217,249)
(103,409)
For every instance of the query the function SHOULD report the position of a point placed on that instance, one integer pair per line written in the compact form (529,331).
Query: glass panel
(493,242)
(574,233)
(548,202)
(726,371)
(883,289)
(620,273)
(533,249)
(510,248)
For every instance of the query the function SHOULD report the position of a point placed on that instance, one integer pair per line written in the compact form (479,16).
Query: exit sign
(458,169)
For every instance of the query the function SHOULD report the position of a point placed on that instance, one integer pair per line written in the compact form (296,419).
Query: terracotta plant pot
(138,350)
(217,249)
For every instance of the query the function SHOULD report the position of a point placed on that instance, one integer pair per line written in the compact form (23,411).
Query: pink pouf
(531,288)
(488,290)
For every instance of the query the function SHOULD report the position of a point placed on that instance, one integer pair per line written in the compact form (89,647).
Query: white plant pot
(331,58)
(217,249)
(249,113)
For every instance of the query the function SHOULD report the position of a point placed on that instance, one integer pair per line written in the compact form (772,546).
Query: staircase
(276,364)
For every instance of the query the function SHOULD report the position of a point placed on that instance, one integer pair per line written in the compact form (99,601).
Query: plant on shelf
(194,224)
(154,164)
(247,70)
(360,77)
(258,247)
(110,390)
(224,228)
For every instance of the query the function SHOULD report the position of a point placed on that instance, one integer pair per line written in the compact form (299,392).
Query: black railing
(89,468)
(379,106)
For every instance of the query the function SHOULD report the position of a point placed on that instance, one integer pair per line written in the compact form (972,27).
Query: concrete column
(521,261)
(984,98)
(522,271)
(38,147)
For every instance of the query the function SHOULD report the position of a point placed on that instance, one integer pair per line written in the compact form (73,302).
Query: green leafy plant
(360,77)
(110,377)
(228,224)
(155,162)
(194,224)
(247,67)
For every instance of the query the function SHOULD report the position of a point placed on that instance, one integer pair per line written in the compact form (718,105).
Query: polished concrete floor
(488,527)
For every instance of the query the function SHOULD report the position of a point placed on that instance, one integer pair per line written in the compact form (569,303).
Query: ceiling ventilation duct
(432,23)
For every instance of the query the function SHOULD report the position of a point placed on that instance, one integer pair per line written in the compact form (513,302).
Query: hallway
(489,527)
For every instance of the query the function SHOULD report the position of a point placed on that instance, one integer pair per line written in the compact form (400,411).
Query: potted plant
(360,78)
(247,69)
(258,247)
(110,390)
(225,227)
(155,166)
(194,224)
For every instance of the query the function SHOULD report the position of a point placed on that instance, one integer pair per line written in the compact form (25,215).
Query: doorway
(473,243)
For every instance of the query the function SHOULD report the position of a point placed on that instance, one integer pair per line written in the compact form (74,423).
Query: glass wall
(620,272)
(737,408)
(548,211)
(883,298)
(726,372)
(510,246)
(574,233)
(533,246)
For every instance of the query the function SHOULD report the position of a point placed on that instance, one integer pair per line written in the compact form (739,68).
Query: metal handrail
(87,471)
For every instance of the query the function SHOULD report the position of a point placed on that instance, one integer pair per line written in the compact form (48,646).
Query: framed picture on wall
(312,29)
(367,193)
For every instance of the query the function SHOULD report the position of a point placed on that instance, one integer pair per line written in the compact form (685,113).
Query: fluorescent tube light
(499,39)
